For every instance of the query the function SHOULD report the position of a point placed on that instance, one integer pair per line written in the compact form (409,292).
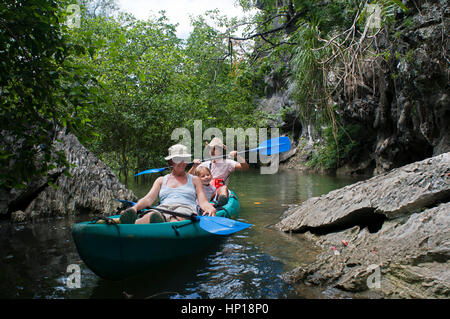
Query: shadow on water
(33,257)
(224,270)
(161,281)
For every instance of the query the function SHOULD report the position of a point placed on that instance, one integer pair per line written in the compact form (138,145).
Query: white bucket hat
(179,151)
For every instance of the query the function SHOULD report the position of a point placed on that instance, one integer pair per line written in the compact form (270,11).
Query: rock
(406,254)
(411,114)
(91,188)
(389,195)
(287,155)
(299,156)
(364,167)
(18,216)
(400,100)
(282,112)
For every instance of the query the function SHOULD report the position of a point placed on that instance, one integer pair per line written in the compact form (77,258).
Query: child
(205,176)
(220,168)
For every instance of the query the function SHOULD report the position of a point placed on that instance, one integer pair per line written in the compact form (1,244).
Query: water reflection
(32,256)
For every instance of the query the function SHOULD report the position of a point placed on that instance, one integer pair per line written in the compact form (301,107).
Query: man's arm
(241,164)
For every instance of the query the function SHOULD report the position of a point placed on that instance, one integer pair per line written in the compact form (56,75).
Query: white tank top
(184,194)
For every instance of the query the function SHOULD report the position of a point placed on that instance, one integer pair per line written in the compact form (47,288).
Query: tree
(327,46)
(95,8)
(41,89)
(152,83)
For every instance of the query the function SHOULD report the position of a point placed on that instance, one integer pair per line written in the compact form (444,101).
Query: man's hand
(195,163)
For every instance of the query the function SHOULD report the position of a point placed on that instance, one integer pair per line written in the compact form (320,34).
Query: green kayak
(123,250)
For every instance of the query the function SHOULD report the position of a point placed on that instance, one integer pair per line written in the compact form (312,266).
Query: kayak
(117,251)
(232,209)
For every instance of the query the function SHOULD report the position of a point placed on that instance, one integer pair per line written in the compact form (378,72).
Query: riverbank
(88,187)
(389,234)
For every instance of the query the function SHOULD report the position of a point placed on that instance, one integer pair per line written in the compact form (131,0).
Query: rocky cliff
(91,188)
(401,100)
(390,233)
(408,107)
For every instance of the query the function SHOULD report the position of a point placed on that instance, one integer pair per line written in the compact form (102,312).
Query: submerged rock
(390,233)
(90,188)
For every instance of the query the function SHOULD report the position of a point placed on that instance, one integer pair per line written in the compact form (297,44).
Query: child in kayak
(220,168)
(177,191)
(205,177)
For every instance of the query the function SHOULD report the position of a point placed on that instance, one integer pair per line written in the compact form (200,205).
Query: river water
(34,256)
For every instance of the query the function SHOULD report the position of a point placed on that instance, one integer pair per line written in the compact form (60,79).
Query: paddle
(212,224)
(270,147)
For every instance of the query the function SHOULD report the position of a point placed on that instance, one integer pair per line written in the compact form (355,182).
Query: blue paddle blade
(215,225)
(221,225)
(153,170)
(275,146)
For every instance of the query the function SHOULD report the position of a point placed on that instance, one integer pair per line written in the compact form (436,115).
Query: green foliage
(135,63)
(324,63)
(123,85)
(337,149)
(120,84)
(307,78)
(304,75)
(40,88)
(152,83)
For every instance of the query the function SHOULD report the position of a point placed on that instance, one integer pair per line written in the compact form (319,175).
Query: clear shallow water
(34,256)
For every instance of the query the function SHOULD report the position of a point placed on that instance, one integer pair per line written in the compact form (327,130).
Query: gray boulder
(390,234)
(90,189)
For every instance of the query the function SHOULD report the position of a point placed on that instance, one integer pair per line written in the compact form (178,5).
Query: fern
(307,86)
(340,54)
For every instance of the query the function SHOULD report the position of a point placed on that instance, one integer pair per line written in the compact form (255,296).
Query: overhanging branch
(263,34)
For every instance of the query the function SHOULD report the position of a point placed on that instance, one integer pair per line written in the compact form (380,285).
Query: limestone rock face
(401,101)
(390,233)
(91,188)
(408,111)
